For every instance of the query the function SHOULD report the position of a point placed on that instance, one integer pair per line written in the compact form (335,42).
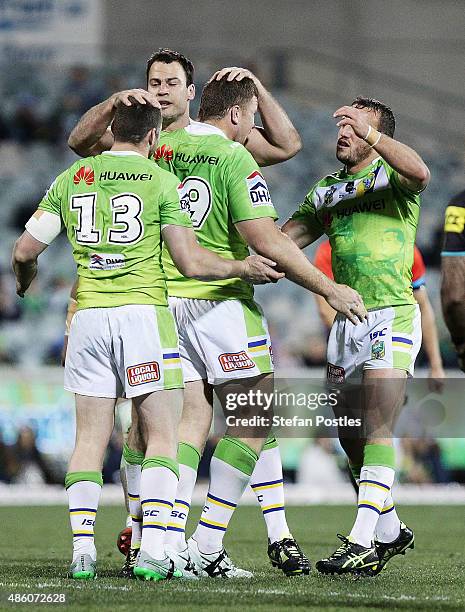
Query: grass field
(35,551)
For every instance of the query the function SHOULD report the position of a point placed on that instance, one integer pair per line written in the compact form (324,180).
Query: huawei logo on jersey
(85,174)
(164,152)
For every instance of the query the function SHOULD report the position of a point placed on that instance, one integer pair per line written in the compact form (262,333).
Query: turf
(35,550)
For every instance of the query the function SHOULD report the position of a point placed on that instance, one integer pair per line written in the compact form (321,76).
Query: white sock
(176,533)
(158,485)
(232,464)
(83,499)
(388,525)
(267,484)
(227,484)
(133,475)
(374,487)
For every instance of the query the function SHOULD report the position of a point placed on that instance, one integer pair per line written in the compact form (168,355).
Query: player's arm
(453,302)
(453,275)
(277,140)
(41,229)
(268,240)
(92,135)
(412,170)
(24,260)
(430,340)
(194,261)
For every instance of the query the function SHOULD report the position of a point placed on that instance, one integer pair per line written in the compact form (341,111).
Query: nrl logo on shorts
(235,361)
(143,373)
(378,350)
(258,190)
(106,261)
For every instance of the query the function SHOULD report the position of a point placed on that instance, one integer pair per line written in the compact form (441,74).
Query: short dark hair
(387,121)
(219,96)
(168,56)
(131,123)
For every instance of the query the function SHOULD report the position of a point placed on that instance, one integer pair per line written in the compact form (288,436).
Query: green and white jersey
(113,207)
(221,184)
(371,220)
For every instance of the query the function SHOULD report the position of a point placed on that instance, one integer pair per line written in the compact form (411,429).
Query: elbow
(188,268)
(423,176)
(72,144)
(295,144)
(22,255)
(75,146)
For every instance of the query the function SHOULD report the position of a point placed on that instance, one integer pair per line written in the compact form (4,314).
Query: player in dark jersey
(453,274)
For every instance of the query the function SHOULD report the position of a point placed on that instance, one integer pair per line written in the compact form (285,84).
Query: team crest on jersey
(106,261)
(258,190)
(86,174)
(143,373)
(329,195)
(378,349)
(366,184)
(164,152)
(235,361)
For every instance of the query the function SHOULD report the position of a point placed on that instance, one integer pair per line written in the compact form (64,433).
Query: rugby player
(453,274)
(369,210)
(225,344)
(170,77)
(116,207)
(240,195)
(429,330)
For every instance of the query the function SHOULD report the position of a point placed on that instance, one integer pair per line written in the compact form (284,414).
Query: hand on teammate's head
(233,73)
(129,96)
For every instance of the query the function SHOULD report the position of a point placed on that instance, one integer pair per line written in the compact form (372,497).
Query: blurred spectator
(453,457)
(29,465)
(421,461)
(6,461)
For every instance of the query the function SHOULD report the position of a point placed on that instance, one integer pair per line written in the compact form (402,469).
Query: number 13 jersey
(221,185)
(114,206)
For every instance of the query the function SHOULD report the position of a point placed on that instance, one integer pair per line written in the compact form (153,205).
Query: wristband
(72,307)
(372,137)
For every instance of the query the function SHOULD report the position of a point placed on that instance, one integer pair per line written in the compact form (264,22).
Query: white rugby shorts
(390,338)
(124,351)
(221,340)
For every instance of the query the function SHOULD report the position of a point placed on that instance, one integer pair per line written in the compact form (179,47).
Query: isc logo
(378,334)
(89,522)
(151,512)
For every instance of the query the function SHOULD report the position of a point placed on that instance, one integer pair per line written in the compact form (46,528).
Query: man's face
(168,83)
(350,149)
(246,120)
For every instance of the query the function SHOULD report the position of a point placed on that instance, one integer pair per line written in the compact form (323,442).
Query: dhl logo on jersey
(164,152)
(86,174)
(258,190)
